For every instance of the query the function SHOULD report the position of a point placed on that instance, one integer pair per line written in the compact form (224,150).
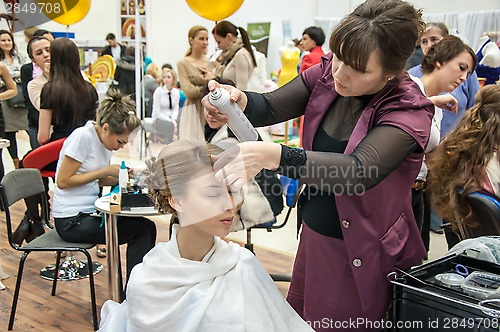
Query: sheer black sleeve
(285,103)
(376,156)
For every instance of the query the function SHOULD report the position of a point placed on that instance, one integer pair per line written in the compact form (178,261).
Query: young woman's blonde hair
(118,111)
(154,70)
(174,76)
(459,162)
(177,163)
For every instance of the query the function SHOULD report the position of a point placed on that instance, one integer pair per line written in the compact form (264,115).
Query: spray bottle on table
(238,122)
(123,177)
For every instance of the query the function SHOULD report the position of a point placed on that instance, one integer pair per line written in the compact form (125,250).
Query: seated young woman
(83,166)
(467,159)
(197,281)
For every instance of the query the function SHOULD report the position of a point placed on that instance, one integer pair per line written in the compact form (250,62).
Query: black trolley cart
(422,303)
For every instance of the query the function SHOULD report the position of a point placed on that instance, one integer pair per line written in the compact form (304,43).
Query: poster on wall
(128,27)
(259,35)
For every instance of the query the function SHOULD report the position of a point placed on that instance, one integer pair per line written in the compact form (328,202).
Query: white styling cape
(228,290)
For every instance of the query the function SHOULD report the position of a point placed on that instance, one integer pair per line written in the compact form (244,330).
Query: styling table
(112,247)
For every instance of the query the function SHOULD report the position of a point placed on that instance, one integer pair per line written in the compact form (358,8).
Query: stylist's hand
(446,102)
(236,96)
(243,161)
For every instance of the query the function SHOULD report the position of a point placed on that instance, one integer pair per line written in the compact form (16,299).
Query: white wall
(170,20)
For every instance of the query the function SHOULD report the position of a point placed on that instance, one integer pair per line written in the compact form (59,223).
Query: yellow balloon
(214,10)
(65,12)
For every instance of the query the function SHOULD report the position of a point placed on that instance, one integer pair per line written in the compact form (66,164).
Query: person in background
(192,119)
(151,81)
(467,159)
(312,41)
(464,93)
(67,102)
(166,107)
(10,91)
(446,65)
(362,112)
(84,166)
(236,62)
(125,72)
(44,33)
(196,274)
(114,49)
(39,53)
(416,58)
(15,118)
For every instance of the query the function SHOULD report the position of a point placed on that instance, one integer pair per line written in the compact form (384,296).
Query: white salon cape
(228,290)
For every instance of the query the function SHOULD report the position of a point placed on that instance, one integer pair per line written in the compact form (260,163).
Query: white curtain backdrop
(470,25)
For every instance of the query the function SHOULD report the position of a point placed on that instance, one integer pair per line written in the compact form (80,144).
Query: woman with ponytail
(236,62)
(84,166)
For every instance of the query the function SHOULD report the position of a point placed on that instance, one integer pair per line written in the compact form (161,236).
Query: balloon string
(67,30)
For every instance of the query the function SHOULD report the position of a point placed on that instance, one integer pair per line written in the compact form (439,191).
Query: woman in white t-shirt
(83,166)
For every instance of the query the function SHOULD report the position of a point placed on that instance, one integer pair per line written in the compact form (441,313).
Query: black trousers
(138,233)
(417,203)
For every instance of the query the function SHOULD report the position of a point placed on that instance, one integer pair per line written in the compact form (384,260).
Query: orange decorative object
(214,10)
(129,29)
(102,69)
(65,12)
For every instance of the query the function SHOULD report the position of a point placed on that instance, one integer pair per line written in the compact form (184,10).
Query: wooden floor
(70,309)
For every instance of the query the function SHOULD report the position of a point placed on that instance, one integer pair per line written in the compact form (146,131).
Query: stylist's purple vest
(382,233)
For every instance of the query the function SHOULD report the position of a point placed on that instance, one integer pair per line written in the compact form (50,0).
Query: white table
(112,246)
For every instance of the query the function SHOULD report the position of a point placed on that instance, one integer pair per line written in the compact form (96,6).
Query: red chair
(42,156)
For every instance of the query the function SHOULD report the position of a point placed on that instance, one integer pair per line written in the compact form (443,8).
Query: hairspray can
(238,122)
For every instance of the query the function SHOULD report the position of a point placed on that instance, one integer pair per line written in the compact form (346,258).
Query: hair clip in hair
(131,112)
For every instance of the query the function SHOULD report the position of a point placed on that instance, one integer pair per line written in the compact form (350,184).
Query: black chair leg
(92,288)
(16,291)
(56,274)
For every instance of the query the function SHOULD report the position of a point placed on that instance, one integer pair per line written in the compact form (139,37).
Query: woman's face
(223,42)
(112,141)
(168,79)
(211,121)
(307,42)
(200,42)
(350,82)
(5,43)
(452,73)
(41,52)
(430,37)
(207,205)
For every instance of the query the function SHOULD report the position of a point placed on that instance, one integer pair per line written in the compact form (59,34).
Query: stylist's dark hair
(224,27)
(33,40)
(445,50)
(390,27)
(43,32)
(316,34)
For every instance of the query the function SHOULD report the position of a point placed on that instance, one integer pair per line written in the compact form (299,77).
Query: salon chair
(486,215)
(40,158)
